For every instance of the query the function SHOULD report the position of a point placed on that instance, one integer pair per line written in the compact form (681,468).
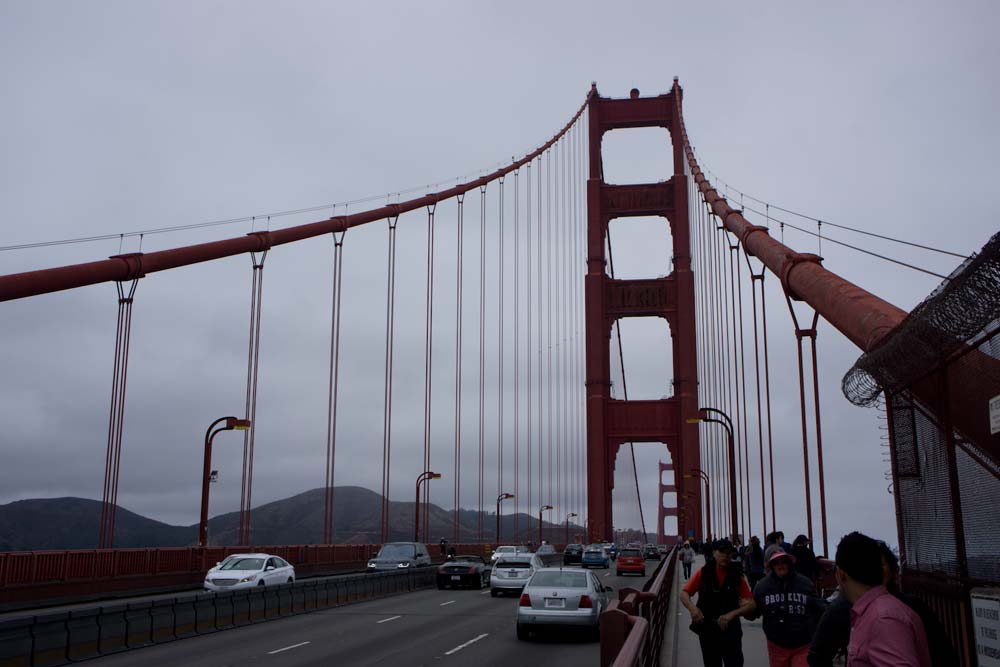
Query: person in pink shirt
(884,631)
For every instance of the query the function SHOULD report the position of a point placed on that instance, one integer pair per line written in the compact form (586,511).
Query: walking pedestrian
(805,559)
(687,558)
(884,631)
(443,546)
(753,562)
(771,545)
(723,597)
(787,600)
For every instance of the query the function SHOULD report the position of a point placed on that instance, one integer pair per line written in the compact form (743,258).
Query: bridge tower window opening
(642,367)
(624,496)
(639,247)
(637,155)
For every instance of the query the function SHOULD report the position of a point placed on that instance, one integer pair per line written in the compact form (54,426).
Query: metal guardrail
(57,638)
(633,625)
(49,577)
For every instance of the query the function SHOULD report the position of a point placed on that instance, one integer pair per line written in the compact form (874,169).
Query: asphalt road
(422,628)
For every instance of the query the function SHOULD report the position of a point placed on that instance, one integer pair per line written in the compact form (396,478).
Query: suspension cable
(456,532)
(517,354)
(249,436)
(390,332)
(482,351)
(528,309)
(428,362)
(333,389)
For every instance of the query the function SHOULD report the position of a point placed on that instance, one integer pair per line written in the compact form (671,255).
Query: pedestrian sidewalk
(680,645)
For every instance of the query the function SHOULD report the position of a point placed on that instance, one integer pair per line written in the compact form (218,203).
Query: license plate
(512,574)
(554,603)
(456,577)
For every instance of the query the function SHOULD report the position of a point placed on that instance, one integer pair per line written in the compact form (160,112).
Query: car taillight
(586,602)
(525,600)
(472,570)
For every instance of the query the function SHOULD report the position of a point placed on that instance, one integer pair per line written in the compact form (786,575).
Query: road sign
(986,623)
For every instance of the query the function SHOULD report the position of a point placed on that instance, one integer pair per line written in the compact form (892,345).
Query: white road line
(287,648)
(391,618)
(446,603)
(608,574)
(471,641)
(485,593)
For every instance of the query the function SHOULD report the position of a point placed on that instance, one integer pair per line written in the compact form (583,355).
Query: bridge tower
(662,511)
(611,422)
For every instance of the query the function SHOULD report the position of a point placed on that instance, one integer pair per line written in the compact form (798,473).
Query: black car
(650,552)
(573,553)
(464,570)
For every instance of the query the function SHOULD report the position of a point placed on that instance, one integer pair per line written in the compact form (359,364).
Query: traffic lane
(415,628)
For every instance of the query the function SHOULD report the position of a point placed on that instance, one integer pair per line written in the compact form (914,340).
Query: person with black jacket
(788,602)
(805,559)
(723,597)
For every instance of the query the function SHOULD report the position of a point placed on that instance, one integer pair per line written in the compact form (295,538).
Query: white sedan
(247,570)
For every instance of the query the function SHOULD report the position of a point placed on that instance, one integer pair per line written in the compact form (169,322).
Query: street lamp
(571,514)
(231,424)
(697,472)
(502,496)
(540,510)
(422,477)
(703,416)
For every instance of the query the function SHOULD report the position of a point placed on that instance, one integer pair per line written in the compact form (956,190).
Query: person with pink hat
(788,602)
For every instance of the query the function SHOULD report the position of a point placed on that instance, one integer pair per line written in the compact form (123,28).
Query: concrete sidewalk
(680,645)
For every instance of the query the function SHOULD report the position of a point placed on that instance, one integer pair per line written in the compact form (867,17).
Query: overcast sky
(122,116)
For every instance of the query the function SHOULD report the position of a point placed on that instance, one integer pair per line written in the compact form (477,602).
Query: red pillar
(612,422)
(663,512)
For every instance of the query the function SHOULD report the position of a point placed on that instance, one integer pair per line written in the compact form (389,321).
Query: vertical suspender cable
(548,327)
(456,532)
(541,417)
(819,443)
(428,363)
(390,332)
(554,346)
(482,352)
(334,386)
(527,352)
(500,264)
(251,407)
(754,278)
(736,285)
(517,354)
(734,372)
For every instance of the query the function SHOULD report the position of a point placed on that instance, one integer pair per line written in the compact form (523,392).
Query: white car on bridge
(249,570)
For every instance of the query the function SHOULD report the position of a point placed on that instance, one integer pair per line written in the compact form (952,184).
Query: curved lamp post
(705,415)
(501,497)
(541,509)
(697,472)
(422,477)
(231,424)
(568,516)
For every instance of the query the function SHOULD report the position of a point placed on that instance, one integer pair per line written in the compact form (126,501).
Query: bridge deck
(680,645)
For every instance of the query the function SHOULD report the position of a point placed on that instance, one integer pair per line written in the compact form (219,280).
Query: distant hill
(72,523)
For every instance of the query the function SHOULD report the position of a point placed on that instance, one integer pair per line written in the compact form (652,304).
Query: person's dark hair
(779,535)
(771,538)
(893,563)
(801,540)
(860,557)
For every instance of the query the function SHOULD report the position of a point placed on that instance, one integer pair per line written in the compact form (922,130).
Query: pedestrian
(805,559)
(829,642)
(443,546)
(723,597)
(884,631)
(687,558)
(942,652)
(753,562)
(787,600)
(771,545)
(785,546)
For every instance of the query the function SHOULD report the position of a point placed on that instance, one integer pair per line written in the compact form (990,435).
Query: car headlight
(402,564)
(371,563)
(244,580)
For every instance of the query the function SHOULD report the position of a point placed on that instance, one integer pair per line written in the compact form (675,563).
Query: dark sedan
(649,552)
(573,553)
(469,571)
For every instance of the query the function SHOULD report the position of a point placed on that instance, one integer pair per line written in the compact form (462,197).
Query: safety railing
(632,627)
(55,576)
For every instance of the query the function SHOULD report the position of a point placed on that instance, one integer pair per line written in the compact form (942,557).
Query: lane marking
(485,593)
(468,643)
(608,574)
(391,618)
(446,603)
(287,648)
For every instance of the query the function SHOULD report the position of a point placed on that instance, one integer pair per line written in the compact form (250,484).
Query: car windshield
(594,551)
(243,564)
(625,553)
(397,551)
(559,579)
(514,564)
(505,550)
(469,559)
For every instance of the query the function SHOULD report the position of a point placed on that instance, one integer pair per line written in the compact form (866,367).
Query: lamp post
(422,477)
(231,423)
(540,510)
(697,472)
(501,497)
(568,516)
(704,415)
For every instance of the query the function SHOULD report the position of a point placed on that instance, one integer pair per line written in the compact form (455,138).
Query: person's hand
(724,621)
(697,616)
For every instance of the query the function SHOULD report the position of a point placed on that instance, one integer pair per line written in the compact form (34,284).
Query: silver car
(509,550)
(512,571)
(562,597)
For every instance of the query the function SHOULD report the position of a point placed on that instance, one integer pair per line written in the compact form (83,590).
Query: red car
(630,561)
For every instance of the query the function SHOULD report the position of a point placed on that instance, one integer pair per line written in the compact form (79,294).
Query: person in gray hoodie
(790,607)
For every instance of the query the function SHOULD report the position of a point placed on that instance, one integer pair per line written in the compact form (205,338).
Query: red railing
(57,576)
(632,627)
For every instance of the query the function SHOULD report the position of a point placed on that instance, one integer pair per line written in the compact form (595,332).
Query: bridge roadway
(420,628)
